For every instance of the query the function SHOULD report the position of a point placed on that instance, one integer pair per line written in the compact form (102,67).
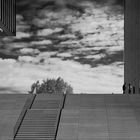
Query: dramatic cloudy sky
(81,41)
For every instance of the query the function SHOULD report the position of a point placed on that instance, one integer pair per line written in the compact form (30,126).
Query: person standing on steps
(33,87)
(133,89)
(124,88)
(129,88)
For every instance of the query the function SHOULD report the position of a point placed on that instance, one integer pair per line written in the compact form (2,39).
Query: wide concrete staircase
(40,121)
(39,125)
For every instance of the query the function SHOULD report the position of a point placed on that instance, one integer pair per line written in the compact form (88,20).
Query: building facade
(132,44)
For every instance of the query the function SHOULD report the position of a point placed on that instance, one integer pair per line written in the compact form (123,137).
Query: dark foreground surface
(71,117)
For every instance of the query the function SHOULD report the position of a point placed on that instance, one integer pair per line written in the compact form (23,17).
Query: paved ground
(100,117)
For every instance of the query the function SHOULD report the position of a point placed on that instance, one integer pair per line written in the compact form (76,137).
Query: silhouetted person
(38,88)
(129,88)
(33,87)
(124,88)
(133,90)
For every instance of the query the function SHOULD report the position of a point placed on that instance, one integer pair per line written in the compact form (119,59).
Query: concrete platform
(100,117)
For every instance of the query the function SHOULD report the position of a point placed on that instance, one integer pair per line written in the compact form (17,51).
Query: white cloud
(83,78)
(20,35)
(43,42)
(46,32)
(29,51)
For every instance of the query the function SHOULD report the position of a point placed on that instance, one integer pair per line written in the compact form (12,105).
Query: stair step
(38,124)
(41,121)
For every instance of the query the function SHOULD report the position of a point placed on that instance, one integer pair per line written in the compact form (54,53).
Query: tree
(51,86)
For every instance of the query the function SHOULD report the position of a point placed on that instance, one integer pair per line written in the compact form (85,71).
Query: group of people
(128,88)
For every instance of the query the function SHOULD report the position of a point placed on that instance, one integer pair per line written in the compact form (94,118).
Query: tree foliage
(52,86)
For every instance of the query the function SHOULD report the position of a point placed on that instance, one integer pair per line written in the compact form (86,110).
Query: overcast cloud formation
(80,41)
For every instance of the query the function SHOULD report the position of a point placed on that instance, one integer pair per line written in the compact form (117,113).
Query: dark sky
(25,4)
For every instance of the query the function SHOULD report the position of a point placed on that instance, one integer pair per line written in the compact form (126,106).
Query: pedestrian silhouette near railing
(124,88)
(34,87)
(129,88)
(133,89)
